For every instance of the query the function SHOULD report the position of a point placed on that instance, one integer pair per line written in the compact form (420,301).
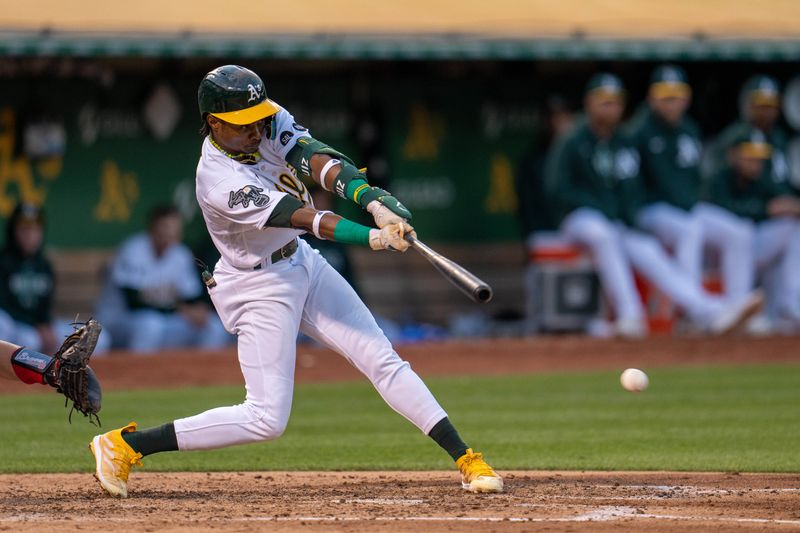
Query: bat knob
(483,294)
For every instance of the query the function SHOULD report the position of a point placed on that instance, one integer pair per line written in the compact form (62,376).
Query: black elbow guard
(300,155)
(281,216)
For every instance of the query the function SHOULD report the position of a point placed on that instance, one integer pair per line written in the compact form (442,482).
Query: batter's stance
(270,284)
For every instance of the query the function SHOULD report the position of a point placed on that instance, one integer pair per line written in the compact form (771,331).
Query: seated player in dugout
(26,282)
(27,286)
(153,298)
(760,100)
(594,183)
(668,141)
(744,188)
(268,284)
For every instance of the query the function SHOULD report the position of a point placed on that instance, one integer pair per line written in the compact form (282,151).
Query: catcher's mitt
(71,376)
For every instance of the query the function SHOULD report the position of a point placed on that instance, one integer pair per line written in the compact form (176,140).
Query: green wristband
(349,232)
(356,188)
(344,178)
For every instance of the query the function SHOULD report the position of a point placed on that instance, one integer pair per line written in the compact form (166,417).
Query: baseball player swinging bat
(476,289)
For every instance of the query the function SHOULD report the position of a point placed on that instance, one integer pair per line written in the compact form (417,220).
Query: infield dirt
(395,501)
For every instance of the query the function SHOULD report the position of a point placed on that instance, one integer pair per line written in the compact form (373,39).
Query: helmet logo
(255,92)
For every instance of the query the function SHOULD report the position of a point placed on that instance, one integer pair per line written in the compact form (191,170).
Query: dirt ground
(398,501)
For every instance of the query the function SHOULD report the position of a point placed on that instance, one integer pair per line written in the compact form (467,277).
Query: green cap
(606,85)
(669,81)
(234,94)
(762,90)
(751,142)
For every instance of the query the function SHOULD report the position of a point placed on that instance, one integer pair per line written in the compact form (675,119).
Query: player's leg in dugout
(791,273)
(651,260)
(777,251)
(679,231)
(335,316)
(183,333)
(263,308)
(733,237)
(147,330)
(213,334)
(592,230)
(8,327)
(19,333)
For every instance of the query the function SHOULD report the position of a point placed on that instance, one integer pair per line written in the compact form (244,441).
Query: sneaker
(631,328)
(114,459)
(734,316)
(759,326)
(477,475)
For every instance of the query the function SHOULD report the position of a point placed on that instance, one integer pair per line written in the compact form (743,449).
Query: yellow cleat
(114,459)
(477,475)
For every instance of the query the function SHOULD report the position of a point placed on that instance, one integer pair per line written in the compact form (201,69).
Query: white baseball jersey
(163,281)
(237,199)
(266,307)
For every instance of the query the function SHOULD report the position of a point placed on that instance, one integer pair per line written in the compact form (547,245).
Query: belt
(279,255)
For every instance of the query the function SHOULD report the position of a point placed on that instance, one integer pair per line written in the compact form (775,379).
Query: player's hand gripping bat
(476,289)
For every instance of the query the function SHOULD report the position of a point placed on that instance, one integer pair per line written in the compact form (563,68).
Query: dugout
(98,118)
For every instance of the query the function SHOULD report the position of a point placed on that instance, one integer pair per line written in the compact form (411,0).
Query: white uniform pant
(777,254)
(617,249)
(265,308)
(687,233)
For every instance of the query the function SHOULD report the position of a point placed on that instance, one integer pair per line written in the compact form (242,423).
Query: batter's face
(670,109)
(237,139)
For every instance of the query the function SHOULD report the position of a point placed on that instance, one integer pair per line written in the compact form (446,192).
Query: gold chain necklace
(247,159)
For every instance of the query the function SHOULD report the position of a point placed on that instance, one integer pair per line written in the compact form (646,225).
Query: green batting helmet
(234,94)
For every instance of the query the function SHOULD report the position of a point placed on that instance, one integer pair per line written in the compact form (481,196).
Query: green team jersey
(748,200)
(671,158)
(777,167)
(584,171)
(26,287)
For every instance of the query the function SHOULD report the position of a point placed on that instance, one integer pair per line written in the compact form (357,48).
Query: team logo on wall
(255,92)
(286,136)
(248,194)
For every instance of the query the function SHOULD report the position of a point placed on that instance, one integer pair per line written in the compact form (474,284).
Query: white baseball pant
(265,308)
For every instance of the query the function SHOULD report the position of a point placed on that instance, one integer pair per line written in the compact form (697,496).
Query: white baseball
(634,380)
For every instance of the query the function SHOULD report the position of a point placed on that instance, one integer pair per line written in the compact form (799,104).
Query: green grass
(722,418)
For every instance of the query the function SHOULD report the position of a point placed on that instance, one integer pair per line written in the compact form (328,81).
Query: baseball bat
(476,289)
